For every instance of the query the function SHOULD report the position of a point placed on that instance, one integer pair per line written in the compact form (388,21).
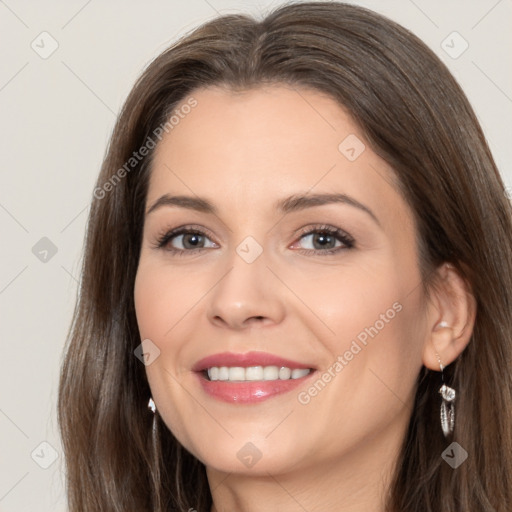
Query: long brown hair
(416,117)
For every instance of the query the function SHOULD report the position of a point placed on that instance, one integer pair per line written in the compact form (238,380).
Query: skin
(244,151)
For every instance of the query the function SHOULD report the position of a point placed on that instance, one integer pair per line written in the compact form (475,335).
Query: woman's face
(302,255)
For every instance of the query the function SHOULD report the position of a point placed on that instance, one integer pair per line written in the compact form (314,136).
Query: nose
(247,295)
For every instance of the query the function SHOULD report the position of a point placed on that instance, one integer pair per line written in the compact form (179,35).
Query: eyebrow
(290,204)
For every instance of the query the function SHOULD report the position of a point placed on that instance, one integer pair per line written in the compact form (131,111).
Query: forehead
(247,149)
(261,124)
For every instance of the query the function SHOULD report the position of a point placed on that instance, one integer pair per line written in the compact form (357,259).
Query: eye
(322,240)
(326,240)
(184,239)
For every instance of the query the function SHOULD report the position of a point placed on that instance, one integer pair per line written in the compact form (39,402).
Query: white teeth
(285,373)
(270,373)
(298,373)
(237,373)
(252,373)
(223,373)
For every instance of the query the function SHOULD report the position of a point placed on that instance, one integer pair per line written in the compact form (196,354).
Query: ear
(451,314)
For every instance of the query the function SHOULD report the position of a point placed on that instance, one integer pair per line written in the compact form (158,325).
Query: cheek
(161,302)
(371,317)
(162,297)
(376,345)
(150,296)
(351,301)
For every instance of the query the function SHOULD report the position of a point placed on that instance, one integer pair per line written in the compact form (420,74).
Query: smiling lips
(250,377)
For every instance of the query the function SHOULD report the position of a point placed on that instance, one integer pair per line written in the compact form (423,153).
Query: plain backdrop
(66,68)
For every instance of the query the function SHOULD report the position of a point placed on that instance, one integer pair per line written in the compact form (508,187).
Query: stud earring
(151,405)
(447,405)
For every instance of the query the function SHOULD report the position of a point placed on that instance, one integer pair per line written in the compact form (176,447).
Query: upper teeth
(238,373)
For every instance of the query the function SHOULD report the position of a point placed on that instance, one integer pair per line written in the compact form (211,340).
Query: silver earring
(447,405)
(155,457)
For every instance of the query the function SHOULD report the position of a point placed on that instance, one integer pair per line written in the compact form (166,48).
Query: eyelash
(342,236)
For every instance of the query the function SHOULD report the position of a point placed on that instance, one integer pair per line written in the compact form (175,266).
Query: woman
(299,258)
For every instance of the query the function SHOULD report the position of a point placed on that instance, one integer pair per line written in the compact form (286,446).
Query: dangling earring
(155,463)
(447,405)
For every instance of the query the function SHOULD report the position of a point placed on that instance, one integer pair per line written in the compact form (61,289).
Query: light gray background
(56,117)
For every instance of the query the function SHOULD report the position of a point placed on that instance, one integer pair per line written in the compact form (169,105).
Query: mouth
(250,377)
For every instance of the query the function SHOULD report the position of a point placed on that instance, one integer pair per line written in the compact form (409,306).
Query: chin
(255,458)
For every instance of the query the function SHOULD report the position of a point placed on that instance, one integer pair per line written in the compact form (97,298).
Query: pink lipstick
(250,377)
